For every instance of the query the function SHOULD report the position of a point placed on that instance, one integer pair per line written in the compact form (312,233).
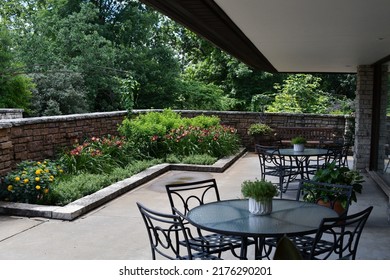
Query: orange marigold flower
(46,191)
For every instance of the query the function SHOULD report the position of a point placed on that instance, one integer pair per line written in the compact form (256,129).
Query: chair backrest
(165,231)
(339,154)
(185,196)
(337,197)
(343,233)
(269,157)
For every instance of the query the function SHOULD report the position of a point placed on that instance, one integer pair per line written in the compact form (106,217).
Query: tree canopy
(102,55)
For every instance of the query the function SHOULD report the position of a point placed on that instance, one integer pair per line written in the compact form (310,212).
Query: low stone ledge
(85,204)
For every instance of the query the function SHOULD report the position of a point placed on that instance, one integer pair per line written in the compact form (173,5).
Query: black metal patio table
(232,217)
(302,159)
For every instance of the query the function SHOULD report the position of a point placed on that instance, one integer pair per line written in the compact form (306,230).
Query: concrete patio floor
(115,231)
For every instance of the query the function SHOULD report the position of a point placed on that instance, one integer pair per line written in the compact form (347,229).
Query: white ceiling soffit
(315,35)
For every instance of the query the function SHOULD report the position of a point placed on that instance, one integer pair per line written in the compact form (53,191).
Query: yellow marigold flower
(47,170)
(38,187)
(10,188)
(37,179)
(26,181)
(38,162)
(38,171)
(17,178)
(61,171)
(46,191)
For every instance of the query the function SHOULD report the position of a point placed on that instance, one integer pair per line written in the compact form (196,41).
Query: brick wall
(41,138)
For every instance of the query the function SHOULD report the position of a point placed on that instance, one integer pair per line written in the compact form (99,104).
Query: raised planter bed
(83,205)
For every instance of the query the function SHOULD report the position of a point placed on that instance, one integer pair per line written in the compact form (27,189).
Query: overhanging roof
(290,36)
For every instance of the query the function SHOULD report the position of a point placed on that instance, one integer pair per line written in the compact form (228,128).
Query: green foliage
(15,88)
(302,93)
(334,174)
(204,159)
(59,93)
(75,187)
(30,182)
(198,95)
(259,129)
(298,140)
(95,155)
(160,134)
(258,189)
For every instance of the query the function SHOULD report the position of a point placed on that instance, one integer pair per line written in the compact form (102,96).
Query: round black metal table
(232,217)
(302,159)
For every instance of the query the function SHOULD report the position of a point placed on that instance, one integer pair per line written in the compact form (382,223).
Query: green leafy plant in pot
(260,194)
(262,133)
(299,143)
(338,175)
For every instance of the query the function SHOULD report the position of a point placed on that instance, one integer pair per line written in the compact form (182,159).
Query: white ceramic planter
(260,207)
(299,147)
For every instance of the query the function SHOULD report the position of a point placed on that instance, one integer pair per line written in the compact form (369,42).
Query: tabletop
(289,217)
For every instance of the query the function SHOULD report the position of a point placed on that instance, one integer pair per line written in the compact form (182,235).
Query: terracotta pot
(337,205)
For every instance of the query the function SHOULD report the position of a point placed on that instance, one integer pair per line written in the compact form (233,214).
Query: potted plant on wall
(260,194)
(299,143)
(262,133)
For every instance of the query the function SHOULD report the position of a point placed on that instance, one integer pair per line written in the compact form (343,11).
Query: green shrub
(74,187)
(30,182)
(199,159)
(160,134)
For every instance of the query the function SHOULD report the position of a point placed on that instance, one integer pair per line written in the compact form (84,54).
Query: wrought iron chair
(339,154)
(164,231)
(184,196)
(335,236)
(275,165)
(337,197)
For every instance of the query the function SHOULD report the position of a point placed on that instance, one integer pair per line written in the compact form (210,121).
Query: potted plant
(260,194)
(338,175)
(262,133)
(299,143)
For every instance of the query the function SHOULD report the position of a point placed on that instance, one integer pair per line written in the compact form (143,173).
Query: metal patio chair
(335,236)
(336,197)
(185,196)
(275,165)
(165,231)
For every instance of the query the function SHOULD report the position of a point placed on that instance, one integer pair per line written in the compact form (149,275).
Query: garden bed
(83,205)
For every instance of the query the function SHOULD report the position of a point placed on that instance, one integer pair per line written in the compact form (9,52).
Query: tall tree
(15,88)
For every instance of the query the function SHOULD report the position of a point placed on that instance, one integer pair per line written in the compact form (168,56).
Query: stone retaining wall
(6,114)
(41,138)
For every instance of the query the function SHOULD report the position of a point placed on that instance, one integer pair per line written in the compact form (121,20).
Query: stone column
(364,93)
(383,137)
